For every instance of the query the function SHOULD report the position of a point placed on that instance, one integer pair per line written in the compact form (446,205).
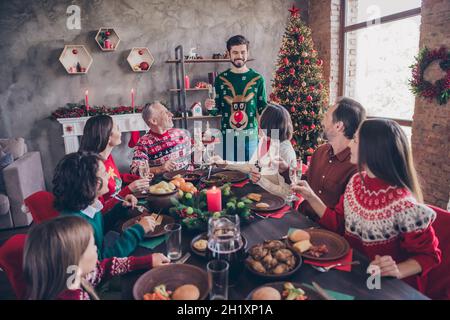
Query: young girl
(61,262)
(80,179)
(273,149)
(381,213)
(101,135)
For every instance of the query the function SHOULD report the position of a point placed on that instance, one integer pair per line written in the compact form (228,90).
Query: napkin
(152,243)
(347,258)
(241,184)
(276,214)
(333,294)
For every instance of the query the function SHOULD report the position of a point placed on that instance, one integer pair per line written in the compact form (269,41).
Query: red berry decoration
(309,98)
(144,65)
(74,51)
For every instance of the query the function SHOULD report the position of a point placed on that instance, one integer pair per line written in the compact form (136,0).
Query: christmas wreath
(192,209)
(425,89)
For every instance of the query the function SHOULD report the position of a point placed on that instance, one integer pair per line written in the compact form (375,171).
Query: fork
(141,209)
(326,269)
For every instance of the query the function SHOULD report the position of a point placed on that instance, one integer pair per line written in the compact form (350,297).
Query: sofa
(21,175)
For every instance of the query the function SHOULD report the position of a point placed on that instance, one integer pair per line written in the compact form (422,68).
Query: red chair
(437,284)
(41,207)
(11,257)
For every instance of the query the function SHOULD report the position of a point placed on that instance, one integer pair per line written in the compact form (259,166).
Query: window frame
(343,29)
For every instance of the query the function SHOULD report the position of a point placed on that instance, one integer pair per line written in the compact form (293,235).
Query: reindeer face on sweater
(238,104)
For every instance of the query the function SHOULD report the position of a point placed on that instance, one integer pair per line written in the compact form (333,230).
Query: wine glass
(295,174)
(144,172)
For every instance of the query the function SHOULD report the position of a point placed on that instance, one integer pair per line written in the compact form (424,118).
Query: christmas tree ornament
(303,84)
(292,109)
(301,39)
(311,88)
(285,61)
(304,54)
(309,98)
(320,86)
(306,61)
(319,62)
(292,71)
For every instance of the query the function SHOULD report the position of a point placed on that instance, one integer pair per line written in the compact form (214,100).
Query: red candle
(86,101)
(187,83)
(132,99)
(214,199)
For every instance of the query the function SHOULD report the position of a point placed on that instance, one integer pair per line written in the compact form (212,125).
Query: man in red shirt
(330,168)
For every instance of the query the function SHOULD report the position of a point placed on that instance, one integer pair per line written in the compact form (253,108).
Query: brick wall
(324,24)
(431,125)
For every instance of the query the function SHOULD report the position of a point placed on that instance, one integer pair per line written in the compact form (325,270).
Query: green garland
(193,211)
(425,89)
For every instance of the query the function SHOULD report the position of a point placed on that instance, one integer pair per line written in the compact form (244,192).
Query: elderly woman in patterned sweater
(381,212)
(71,270)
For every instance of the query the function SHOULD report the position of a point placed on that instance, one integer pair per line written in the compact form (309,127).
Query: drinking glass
(173,240)
(218,279)
(295,174)
(144,172)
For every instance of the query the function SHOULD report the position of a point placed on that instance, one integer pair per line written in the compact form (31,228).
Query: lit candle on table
(214,199)
(132,99)
(86,101)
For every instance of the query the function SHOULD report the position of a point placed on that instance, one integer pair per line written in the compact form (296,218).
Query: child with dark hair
(61,261)
(80,179)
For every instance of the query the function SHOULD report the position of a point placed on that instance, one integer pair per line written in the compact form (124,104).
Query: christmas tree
(298,85)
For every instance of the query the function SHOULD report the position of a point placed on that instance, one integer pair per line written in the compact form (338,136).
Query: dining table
(352,284)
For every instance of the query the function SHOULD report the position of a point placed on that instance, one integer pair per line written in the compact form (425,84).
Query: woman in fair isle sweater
(101,135)
(381,212)
(61,262)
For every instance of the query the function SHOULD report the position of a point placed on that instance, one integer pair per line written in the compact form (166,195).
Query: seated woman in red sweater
(381,212)
(101,135)
(71,270)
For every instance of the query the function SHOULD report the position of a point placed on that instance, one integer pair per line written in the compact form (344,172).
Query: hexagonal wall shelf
(140,59)
(107,39)
(75,59)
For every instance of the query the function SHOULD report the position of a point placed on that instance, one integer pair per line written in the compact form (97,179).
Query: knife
(322,292)
(184,258)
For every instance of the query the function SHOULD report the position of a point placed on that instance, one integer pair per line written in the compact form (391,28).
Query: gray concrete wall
(33,83)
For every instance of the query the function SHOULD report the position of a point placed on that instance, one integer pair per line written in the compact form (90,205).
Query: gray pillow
(5,160)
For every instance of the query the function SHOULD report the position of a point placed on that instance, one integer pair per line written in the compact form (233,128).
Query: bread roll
(186,292)
(266,293)
(299,235)
(302,246)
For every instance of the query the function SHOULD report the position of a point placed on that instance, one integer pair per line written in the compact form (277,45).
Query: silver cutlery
(184,258)
(328,268)
(141,209)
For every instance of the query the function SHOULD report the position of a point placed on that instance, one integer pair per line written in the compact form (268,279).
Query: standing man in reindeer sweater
(241,99)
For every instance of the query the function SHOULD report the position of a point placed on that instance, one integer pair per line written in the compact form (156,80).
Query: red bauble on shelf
(144,65)
(141,52)
(74,51)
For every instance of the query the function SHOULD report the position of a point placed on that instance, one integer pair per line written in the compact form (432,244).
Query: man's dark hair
(351,113)
(75,181)
(236,41)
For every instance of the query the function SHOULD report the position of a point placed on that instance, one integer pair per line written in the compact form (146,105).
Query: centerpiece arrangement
(195,209)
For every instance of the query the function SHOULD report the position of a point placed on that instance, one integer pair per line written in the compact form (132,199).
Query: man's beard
(240,61)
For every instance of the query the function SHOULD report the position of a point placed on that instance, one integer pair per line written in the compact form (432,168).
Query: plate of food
(162,188)
(172,282)
(199,244)
(187,175)
(213,180)
(273,259)
(231,176)
(318,244)
(161,221)
(283,291)
(265,202)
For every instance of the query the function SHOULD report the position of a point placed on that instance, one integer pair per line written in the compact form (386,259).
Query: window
(380,40)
